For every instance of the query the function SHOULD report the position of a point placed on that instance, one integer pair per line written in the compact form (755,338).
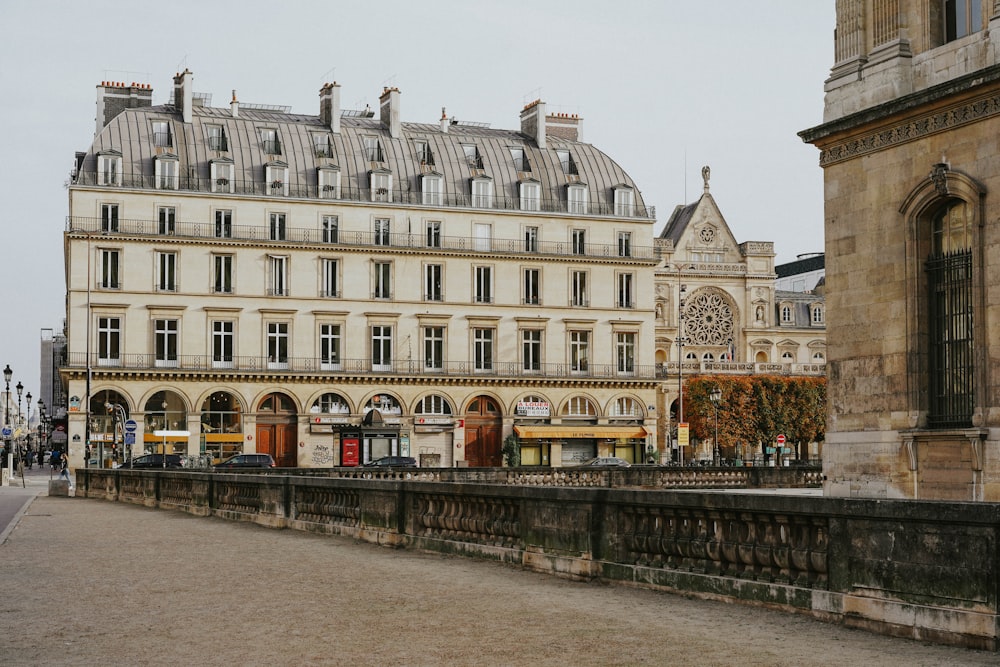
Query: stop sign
(781,439)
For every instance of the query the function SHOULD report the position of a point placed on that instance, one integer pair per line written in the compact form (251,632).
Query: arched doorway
(277,429)
(483,430)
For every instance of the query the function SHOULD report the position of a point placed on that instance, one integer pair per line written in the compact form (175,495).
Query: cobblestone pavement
(89,582)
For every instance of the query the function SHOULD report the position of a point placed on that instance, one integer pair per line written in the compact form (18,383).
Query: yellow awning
(550,432)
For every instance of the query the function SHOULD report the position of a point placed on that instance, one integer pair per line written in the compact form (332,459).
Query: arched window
(786,314)
(708,356)
(435,404)
(787,357)
(331,403)
(626,406)
(818,358)
(579,406)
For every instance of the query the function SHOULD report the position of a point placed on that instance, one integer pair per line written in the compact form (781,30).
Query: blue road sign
(130,426)
(130,438)
(6,431)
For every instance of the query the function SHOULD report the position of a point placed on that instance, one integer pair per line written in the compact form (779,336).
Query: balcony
(412,196)
(307,236)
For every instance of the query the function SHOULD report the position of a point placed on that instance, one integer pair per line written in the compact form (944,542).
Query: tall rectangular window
(110,278)
(277,345)
(331,229)
(433,230)
(432,282)
(578,290)
(217,138)
(166,272)
(329,347)
(277,227)
(109,218)
(625,352)
(482,193)
(520,159)
(381,231)
(382,285)
(330,285)
(433,348)
(624,199)
(109,338)
(624,244)
(222,343)
(423,150)
(430,189)
(167,220)
(530,196)
(165,342)
(482,236)
(222,272)
(532,287)
(373,149)
(531,349)
(108,170)
(381,348)
(223,224)
(322,146)
(473,157)
(482,340)
(161,134)
(579,351)
(626,299)
(483,284)
(381,186)
(166,174)
(577,199)
(278,276)
(566,162)
(270,142)
(579,241)
(531,239)
(962,17)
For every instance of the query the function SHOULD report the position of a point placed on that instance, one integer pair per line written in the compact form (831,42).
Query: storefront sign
(532,409)
(331,420)
(682,434)
(434,420)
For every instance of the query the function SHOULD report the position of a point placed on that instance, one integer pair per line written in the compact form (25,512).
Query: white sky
(664,87)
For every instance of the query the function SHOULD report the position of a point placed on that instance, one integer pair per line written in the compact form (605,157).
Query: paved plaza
(89,582)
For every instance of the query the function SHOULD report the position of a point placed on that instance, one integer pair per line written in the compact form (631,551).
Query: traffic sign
(130,438)
(781,439)
(6,431)
(130,426)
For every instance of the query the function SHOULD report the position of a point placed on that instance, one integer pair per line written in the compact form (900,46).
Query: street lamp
(7,374)
(27,425)
(20,389)
(118,415)
(682,289)
(716,397)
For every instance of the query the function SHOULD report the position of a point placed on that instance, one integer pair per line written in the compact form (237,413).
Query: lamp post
(7,374)
(118,413)
(27,424)
(20,390)
(716,397)
(682,289)
(41,430)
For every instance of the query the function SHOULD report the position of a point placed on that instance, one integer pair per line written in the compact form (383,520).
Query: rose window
(708,319)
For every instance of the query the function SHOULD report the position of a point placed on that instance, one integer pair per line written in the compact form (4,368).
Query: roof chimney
(183,94)
(444,121)
(389,111)
(533,122)
(113,97)
(563,126)
(329,106)
(234,105)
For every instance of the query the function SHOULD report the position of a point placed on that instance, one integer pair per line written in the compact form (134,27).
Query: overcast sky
(663,86)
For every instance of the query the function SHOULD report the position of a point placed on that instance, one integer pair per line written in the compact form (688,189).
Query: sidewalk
(91,582)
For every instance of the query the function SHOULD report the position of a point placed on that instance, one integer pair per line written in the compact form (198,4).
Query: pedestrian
(54,459)
(64,469)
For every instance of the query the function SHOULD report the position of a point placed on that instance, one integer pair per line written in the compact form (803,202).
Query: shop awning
(561,431)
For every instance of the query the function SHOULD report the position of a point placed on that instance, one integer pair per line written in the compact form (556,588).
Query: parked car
(393,461)
(152,461)
(247,461)
(607,461)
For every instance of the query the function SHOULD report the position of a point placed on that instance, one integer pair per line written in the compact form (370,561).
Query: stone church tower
(909,149)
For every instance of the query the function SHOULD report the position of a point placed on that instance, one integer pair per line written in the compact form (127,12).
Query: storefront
(567,445)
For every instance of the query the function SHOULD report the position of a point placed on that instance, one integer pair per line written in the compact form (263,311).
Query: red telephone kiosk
(350,451)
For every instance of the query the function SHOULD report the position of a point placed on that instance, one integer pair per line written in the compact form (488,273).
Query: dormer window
(482,192)
(816,314)
(269,142)
(577,198)
(566,162)
(217,138)
(161,134)
(624,201)
(221,175)
(322,146)
(520,159)
(530,195)
(109,168)
(786,314)
(276,179)
(329,182)
(165,172)
(424,154)
(373,150)
(473,157)
(381,185)
(430,189)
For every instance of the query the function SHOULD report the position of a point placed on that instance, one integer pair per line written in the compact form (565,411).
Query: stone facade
(910,138)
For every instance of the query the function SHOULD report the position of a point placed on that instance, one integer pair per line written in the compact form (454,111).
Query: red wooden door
(483,428)
(277,430)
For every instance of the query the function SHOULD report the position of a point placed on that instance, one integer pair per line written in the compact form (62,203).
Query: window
(167,216)
(787,357)
(433,348)
(109,336)
(381,236)
(329,347)
(625,352)
(269,142)
(277,345)
(332,404)
(322,146)
(276,179)
(817,315)
(330,285)
(708,357)
(951,318)
(165,342)
(818,358)
(217,138)
(578,289)
(276,228)
(482,192)
(483,284)
(382,280)
(566,162)
(329,182)
(576,196)
(626,407)
(625,297)
(530,196)
(222,343)
(109,170)
(579,241)
(331,228)
(109,217)
(435,404)
(531,350)
(166,272)
(423,151)
(110,278)
(161,134)
(222,270)
(166,173)
(579,406)
(962,17)
(532,287)
(624,244)
(482,340)
(433,234)
(381,348)
(430,188)
(531,239)
(520,159)
(624,198)
(223,224)
(373,149)
(786,314)
(278,275)
(222,176)
(472,157)
(579,351)
(483,237)
(432,282)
